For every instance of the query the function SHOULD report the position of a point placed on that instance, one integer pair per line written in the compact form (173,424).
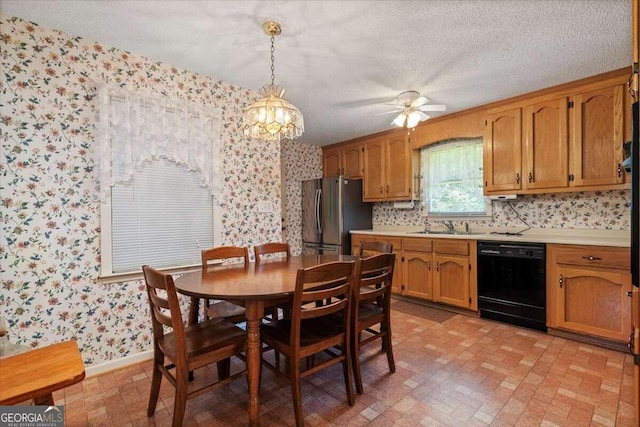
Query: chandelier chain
(273,59)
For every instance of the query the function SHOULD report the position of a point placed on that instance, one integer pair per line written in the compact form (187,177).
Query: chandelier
(272,118)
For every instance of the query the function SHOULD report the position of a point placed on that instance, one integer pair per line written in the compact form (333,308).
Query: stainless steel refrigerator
(331,207)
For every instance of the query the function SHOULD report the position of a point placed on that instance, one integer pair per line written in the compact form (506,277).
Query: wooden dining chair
(186,348)
(368,248)
(271,248)
(371,309)
(223,309)
(311,330)
(274,248)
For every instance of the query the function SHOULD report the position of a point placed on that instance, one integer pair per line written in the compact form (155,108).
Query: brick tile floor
(464,371)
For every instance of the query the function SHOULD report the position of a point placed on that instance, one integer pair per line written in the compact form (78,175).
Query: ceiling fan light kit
(272,118)
(412,109)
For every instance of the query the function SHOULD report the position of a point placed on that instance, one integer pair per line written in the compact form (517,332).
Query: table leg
(194,310)
(254,311)
(46,400)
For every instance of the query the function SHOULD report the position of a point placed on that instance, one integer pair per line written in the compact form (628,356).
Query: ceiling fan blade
(388,112)
(434,107)
(423,116)
(420,101)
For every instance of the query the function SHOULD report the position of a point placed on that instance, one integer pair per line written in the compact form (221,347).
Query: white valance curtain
(137,127)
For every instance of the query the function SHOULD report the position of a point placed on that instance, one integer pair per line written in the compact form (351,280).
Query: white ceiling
(340,61)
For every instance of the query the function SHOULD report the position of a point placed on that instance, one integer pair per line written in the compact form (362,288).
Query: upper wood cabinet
(569,141)
(546,152)
(502,151)
(345,160)
(389,165)
(597,135)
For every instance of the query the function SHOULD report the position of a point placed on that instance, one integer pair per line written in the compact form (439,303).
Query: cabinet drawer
(417,244)
(594,256)
(357,238)
(451,246)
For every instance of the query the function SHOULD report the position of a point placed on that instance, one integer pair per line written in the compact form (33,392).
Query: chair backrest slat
(374,278)
(224,253)
(330,285)
(368,248)
(271,248)
(165,309)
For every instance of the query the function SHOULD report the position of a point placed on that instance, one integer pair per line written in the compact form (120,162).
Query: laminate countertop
(620,238)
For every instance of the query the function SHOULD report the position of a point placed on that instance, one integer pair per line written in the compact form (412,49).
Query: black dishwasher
(512,283)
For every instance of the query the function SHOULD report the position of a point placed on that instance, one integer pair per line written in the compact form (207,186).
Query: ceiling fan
(412,107)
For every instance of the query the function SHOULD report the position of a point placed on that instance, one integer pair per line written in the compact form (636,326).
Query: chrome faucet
(448,224)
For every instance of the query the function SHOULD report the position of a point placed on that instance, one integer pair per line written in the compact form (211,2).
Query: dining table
(255,286)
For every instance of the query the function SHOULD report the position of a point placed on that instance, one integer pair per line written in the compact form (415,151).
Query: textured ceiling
(340,61)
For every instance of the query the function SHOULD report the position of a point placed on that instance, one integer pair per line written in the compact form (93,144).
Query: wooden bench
(36,374)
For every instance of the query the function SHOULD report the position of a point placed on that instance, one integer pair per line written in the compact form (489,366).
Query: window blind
(163,217)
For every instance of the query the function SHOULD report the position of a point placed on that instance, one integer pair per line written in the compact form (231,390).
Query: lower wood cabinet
(417,274)
(454,275)
(451,280)
(587,290)
(438,270)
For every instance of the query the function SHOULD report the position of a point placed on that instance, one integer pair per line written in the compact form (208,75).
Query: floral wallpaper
(301,162)
(49,219)
(599,210)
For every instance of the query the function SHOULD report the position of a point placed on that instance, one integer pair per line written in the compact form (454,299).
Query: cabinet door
(352,161)
(503,151)
(597,137)
(451,280)
(373,179)
(594,302)
(417,275)
(332,165)
(398,168)
(546,153)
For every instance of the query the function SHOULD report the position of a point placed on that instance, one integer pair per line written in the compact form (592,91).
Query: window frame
(453,216)
(107,179)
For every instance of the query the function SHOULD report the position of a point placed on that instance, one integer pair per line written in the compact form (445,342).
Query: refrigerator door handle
(318,213)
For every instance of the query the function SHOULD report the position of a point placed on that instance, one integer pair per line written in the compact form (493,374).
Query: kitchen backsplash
(599,210)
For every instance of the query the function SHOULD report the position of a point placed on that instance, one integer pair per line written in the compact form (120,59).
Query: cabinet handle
(387,189)
(592,258)
(517,178)
(630,294)
(530,177)
(438,266)
(619,170)
(429,265)
(381,190)
(561,281)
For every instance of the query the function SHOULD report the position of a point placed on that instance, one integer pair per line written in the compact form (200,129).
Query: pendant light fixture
(272,118)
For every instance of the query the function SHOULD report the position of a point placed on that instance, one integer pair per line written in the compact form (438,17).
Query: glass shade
(272,118)
(413,119)
(399,121)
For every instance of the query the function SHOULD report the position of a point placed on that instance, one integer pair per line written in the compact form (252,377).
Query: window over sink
(452,180)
